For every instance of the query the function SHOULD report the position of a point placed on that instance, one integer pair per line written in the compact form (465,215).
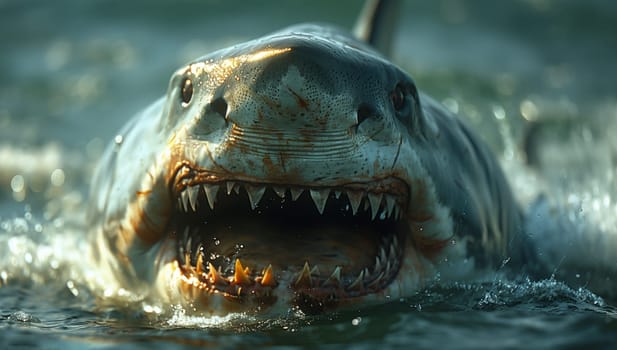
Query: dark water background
(537,76)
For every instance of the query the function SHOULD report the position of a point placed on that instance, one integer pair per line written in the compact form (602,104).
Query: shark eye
(187,91)
(398,97)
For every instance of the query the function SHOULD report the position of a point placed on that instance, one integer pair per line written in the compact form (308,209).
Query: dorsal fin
(377,23)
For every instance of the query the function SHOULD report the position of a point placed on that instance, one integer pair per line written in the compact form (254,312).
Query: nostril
(219,106)
(365,111)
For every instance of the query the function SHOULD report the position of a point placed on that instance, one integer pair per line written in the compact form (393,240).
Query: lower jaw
(174,289)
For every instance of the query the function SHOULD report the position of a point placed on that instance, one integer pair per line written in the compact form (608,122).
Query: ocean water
(535,78)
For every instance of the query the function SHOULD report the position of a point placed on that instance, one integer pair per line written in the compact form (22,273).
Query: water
(535,78)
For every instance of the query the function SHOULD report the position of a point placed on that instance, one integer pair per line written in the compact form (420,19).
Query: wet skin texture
(303,170)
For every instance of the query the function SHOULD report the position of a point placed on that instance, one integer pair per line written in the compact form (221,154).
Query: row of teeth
(307,278)
(381,205)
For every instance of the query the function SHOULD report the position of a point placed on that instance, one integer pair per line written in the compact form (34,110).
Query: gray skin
(307,108)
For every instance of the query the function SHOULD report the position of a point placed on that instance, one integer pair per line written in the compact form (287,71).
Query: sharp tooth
(315,271)
(211,192)
(193,192)
(392,251)
(320,197)
(200,261)
(367,205)
(335,278)
(185,233)
(304,278)
(237,189)
(189,239)
(378,265)
(295,193)
(240,274)
(358,284)
(355,197)
(390,202)
(337,194)
(280,191)
(268,277)
(255,194)
(213,275)
(230,187)
(375,200)
(388,266)
(382,255)
(376,281)
(187,261)
(184,196)
(366,273)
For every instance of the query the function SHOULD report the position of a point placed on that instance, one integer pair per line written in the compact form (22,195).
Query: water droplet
(19,188)
(499,112)
(71,286)
(18,183)
(356,321)
(22,316)
(148,309)
(57,177)
(529,111)
(54,264)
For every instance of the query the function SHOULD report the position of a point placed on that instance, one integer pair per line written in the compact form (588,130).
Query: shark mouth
(320,245)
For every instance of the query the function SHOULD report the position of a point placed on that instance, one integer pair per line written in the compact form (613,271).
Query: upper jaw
(388,192)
